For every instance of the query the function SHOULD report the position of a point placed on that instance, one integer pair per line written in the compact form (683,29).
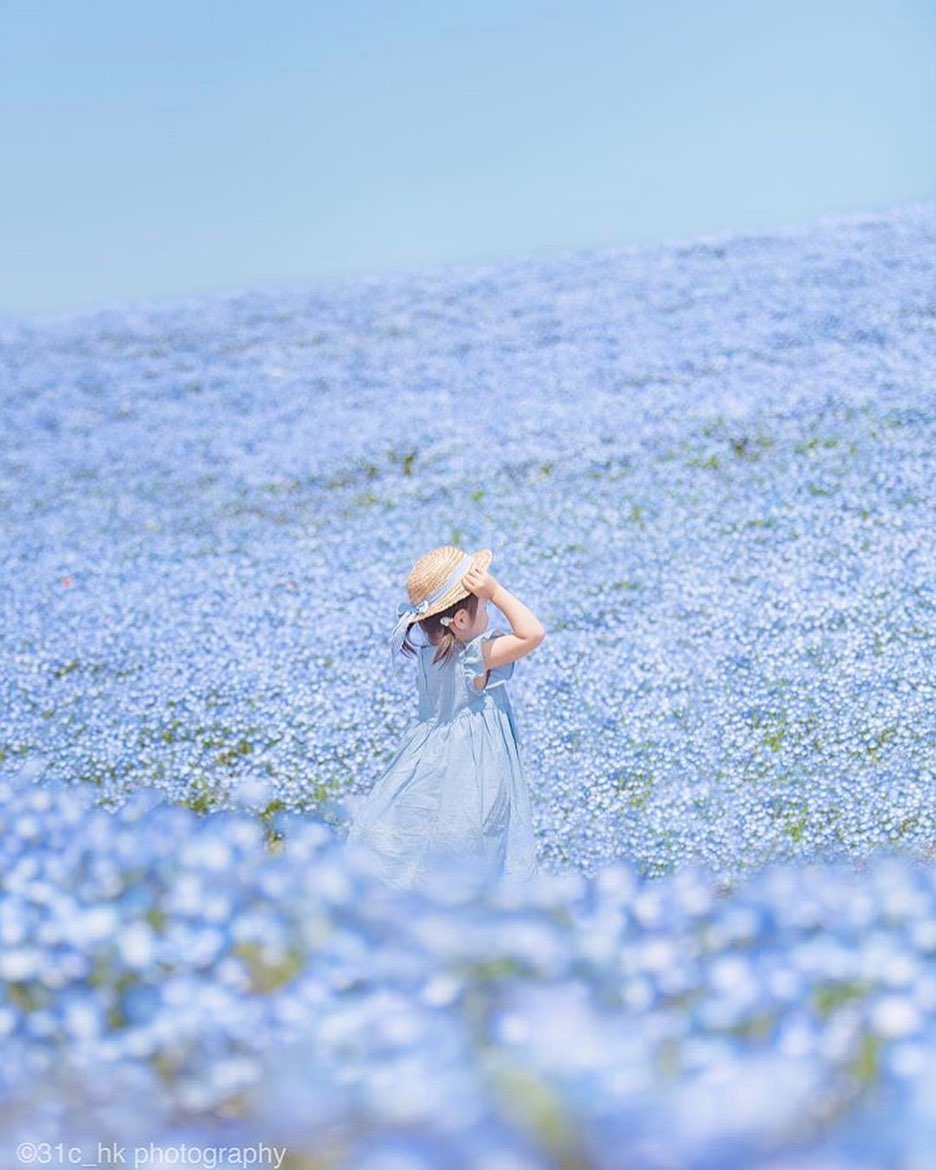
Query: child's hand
(480,582)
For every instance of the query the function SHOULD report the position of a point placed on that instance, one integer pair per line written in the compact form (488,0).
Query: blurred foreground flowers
(167,977)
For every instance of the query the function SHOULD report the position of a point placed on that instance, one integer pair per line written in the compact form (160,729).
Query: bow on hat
(408,612)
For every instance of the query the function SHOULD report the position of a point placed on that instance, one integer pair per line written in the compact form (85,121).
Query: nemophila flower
(725,524)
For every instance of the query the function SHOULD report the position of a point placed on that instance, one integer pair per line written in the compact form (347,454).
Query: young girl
(456,787)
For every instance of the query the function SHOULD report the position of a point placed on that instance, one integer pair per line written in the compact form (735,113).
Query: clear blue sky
(154,148)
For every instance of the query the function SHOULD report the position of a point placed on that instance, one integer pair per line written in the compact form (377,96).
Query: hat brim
(479,560)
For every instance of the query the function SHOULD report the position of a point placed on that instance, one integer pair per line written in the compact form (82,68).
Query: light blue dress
(456,788)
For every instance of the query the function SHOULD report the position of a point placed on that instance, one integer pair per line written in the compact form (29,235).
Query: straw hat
(432,570)
(435,583)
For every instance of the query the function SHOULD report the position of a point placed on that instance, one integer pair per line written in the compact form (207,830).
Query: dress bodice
(447,688)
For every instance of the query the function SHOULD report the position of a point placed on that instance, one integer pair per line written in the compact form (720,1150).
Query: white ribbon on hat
(407,611)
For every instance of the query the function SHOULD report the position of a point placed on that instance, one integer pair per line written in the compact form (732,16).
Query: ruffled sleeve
(473,664)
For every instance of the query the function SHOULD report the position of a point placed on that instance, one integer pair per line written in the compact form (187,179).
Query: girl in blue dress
(456,787)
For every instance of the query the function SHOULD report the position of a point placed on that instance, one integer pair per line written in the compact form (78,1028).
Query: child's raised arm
(528,631)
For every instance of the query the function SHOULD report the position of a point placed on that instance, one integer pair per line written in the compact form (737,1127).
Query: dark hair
(433,628)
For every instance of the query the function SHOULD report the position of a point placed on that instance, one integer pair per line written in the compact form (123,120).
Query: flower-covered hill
(706,465)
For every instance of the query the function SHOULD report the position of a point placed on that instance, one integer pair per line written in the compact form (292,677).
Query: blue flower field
(708,467)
